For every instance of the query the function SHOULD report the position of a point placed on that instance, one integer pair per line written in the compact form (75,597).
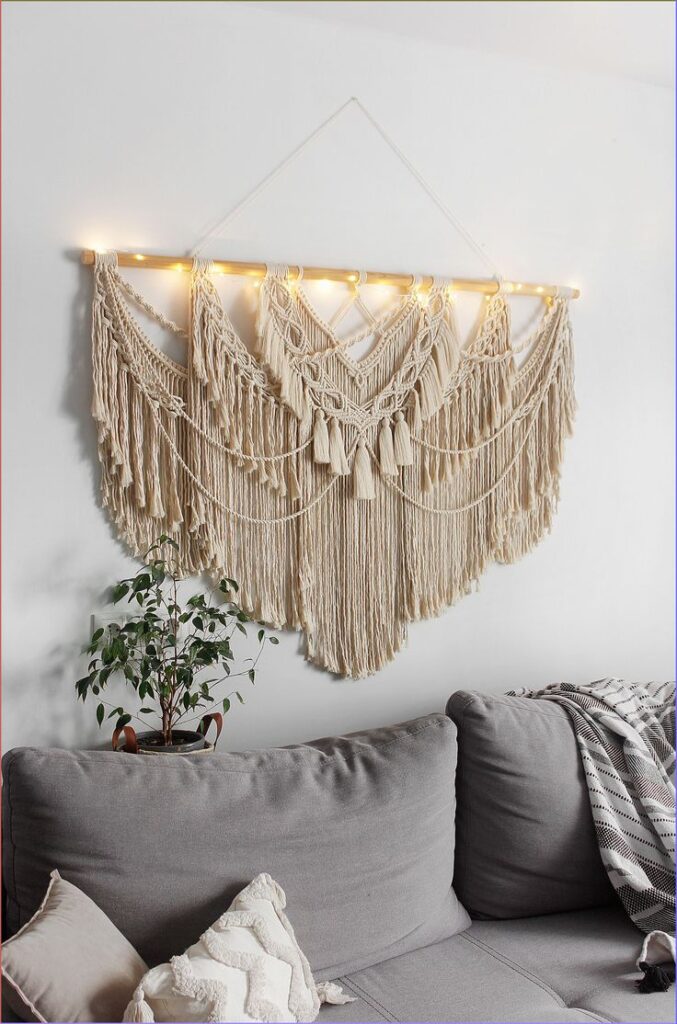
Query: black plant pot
(184,742)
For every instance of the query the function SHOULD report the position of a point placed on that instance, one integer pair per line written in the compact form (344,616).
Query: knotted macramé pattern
(348,498)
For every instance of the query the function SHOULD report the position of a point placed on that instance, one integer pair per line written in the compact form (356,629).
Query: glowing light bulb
(352,277)
(178,268)
(540,289)
(518,287)
(324,283)
(139,256)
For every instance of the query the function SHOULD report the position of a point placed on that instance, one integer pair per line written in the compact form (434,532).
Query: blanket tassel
(657,977)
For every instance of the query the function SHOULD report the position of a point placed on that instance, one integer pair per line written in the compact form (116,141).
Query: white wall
(135,125)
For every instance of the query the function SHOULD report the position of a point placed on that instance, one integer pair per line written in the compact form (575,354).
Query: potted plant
(163,651)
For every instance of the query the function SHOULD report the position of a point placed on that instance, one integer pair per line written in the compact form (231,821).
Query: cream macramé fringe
(348,498)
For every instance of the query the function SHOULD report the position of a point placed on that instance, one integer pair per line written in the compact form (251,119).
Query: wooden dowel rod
(486,285)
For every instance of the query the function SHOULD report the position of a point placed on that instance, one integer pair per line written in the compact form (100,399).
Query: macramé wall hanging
(349,497)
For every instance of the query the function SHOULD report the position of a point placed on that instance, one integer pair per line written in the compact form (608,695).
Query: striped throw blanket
(626,737)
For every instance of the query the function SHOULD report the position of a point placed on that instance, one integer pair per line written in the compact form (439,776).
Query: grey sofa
(444,869)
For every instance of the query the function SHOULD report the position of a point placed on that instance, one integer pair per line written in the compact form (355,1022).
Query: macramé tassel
(363,481)
(402,442)
(337,453)
(138,1011)
(294,487)
(321,439)
(426,479)
(416,420)
(386,451)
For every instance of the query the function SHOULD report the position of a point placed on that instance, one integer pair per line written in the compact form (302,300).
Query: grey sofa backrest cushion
(358,830)
(525,841)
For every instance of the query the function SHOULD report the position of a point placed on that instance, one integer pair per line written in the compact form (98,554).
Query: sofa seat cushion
(555,968)
(587,957)
(358,830)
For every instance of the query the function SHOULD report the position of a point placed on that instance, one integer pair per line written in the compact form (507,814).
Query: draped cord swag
(349,498)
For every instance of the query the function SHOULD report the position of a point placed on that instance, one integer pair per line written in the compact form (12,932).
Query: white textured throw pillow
(246,967)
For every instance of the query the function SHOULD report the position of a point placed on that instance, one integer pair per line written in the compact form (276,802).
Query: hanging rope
(218,227)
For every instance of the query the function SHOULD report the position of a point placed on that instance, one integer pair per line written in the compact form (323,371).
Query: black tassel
(657,977)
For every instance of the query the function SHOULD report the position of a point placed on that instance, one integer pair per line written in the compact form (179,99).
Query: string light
(139,257)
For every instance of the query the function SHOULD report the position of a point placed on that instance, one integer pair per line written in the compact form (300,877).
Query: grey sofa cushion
(566,968)
(358,830)
(587,957)
(525,841)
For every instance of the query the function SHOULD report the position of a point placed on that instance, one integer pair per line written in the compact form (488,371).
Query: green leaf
(146,711)
(240,697)
(252,674)
(122,721)
(241,628)
(119,592)
(226,705)
(273,640)
(116,711)
(82,686)
(100,712)
(261,633)
(97,635)
(142,582)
